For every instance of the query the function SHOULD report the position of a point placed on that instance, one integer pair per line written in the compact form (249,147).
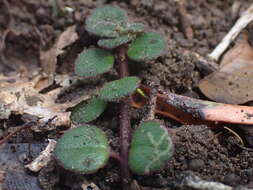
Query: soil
(211,155)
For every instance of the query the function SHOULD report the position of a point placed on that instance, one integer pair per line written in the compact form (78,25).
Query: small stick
(240,24)
(27,125)
(205,65)
(184,21)
(188,110)
(212,111)
(163,108)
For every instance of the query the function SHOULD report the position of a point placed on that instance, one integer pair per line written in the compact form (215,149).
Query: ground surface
(34,29)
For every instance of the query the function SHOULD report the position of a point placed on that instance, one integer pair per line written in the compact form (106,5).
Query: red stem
(123,67)
(125,125)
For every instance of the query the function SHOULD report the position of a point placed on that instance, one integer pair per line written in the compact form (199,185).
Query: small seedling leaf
(151,148)
(92,62)
(86,112)
(147,46)
(134,28)
(118,89)
(83,150)
(115,42)
(107,21)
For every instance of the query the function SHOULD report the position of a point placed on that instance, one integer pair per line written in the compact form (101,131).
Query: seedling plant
(85,149)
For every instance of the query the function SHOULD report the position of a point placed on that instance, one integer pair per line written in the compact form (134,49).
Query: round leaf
(92,62)
(151,148)
(147,46)
(115,42)
(106,21)
(86,112)
(117,89)
(82,150)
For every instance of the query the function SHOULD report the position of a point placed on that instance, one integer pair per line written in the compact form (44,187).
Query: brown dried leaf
(68,37)
(241,50)
(233,82)
(21,97)
(48,59)
(48,62)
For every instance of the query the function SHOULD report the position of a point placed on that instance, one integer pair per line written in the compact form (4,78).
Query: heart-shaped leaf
(118,89)
(147,46)
(151,148)
(107,22)
(86,112)
(83,150)
(92,62)
(115,42)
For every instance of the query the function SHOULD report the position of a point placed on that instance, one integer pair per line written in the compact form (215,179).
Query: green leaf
(92,62)
(115,42)
(106,21)
(134,28)
(147,46)
(118,89)
(82,150)
(86,112)
(151,148)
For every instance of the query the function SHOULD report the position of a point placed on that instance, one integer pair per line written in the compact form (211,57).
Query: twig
(27,125)
(241,23)
(163,108)
(184,21)
(205,65)
(125,125)
(212,111)
(188,110)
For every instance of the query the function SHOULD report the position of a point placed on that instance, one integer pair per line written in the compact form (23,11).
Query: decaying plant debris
(43,159)
(21,97)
